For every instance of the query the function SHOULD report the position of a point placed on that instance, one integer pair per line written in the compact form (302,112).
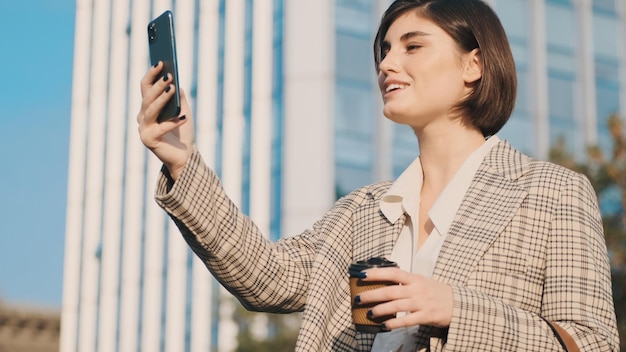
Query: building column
(94,177)
(538,74)
(78,140)
(261,119)
(586,111)
(232,145)
(309,80)
(134,179)
(113,182)
(621,14)
(383,135)
(206,132)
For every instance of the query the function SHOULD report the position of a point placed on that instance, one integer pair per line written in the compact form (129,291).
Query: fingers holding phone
(165,123)
(171,140)
(157,91)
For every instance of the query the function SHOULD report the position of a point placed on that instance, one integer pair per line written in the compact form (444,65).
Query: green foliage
(607,174)
(278,331)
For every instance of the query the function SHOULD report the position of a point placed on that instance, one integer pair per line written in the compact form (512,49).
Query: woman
(491,243)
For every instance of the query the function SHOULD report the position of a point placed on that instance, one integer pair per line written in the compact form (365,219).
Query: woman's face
(423,74)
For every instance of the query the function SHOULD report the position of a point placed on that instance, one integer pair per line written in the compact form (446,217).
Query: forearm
(263,275)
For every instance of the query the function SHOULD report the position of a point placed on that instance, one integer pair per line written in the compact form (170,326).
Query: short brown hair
(472,24)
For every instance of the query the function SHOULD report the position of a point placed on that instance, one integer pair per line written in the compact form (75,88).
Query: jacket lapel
(489,204)
(374,235)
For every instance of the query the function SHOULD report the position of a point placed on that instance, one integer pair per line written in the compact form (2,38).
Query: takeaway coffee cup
(357,286)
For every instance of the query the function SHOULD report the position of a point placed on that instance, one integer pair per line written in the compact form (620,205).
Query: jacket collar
(491,201)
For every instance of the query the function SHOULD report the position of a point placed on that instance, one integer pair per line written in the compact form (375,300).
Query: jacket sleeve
(264,276)
(577,292)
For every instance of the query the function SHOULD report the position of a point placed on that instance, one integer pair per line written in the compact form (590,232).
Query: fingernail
(357,299)
(165,78)
(155,65)
(182,117)
(370,314)
(167,89)
(361,275)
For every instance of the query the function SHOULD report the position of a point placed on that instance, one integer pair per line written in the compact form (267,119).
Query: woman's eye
(412,47)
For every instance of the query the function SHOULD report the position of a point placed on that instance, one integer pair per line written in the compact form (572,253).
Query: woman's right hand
(172,140)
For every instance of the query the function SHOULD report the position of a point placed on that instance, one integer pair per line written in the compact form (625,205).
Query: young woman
(491,243)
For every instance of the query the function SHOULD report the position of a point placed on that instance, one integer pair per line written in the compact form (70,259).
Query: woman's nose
(388,64)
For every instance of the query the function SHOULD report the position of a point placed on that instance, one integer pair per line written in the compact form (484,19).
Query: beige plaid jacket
(526,243)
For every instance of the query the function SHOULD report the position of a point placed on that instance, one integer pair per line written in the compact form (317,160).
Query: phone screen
(162,44)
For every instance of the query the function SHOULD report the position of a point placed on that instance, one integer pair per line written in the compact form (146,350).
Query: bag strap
(564,337)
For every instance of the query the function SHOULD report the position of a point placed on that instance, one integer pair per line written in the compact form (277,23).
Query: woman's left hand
(425,301)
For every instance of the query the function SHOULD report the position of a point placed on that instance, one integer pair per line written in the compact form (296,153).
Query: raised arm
(172,140)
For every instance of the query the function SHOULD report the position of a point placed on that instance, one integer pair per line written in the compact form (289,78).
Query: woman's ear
(473,66)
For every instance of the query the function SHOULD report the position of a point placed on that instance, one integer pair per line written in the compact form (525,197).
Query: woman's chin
(395,115)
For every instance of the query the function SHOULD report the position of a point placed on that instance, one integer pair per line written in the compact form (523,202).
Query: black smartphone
(162,43)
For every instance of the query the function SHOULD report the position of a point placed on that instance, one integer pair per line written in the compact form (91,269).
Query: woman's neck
(442,154)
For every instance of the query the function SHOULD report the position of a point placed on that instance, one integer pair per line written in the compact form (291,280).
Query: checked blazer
(526,244)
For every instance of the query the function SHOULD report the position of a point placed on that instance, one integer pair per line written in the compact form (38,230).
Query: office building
(287,113)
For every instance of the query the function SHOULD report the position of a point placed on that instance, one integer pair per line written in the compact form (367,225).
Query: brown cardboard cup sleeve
(359,311)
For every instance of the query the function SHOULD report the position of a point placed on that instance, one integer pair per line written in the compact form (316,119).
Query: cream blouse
(404,197)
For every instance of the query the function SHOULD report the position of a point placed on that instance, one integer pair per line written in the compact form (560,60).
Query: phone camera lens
(152,32)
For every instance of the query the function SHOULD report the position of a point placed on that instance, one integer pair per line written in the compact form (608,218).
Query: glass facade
(355,103)
(561,40)
(277,110)
(514,15)
(565,71)
(606,57)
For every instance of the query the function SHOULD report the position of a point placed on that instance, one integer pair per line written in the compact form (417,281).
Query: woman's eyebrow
(413,34)
(406,37)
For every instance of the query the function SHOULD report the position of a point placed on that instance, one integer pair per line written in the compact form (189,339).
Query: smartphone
(162,43)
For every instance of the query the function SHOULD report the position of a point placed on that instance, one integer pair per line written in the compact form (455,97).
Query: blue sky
(36,58)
